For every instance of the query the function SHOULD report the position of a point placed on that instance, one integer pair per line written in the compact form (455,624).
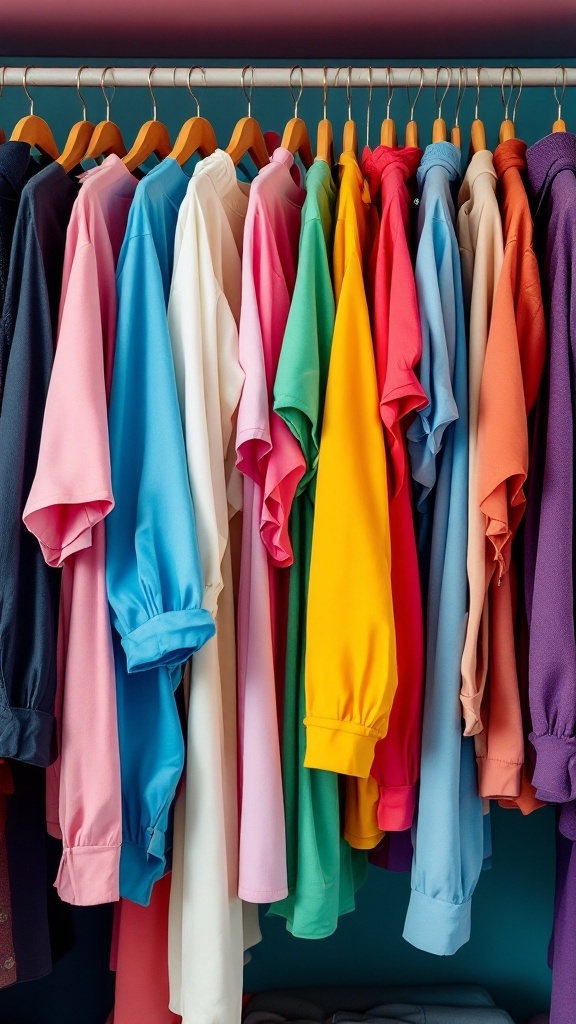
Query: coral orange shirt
(398,349)
(510,381)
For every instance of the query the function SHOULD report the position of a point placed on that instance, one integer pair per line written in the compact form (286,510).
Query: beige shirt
(480,240)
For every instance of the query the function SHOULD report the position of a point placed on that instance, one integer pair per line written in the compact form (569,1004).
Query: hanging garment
(155,598)
(17,166)
(398,348)
(206,951)
(7,958)
(69,499)
(272,463)
(351,672)
(510,381)
(479,230)
(323,872)
(550,592)
(448,836)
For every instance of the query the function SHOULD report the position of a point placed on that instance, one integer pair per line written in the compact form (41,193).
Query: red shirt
(398,347)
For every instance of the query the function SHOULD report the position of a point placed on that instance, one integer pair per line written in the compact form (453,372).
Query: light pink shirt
(70,497)
(272,463)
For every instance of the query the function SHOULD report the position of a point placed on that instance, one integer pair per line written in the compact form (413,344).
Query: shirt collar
(547,158)
(440,154)
(383,161)
(14,164)
(511,153)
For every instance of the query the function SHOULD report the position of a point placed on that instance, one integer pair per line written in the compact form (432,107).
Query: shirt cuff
(29,735)
(88,875)
(396,807)
(167,639)
(141,867)
(555,772)
(498,779)
(435,925)
(341,747)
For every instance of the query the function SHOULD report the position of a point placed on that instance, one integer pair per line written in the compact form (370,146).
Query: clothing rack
(278,77)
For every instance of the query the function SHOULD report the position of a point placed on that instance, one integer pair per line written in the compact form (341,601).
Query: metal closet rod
(277,77)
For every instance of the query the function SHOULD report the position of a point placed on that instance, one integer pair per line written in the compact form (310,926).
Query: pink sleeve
(70,496)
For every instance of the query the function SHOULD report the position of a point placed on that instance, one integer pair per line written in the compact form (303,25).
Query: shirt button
(9,963)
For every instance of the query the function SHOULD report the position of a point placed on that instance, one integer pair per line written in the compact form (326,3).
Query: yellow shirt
(351,671)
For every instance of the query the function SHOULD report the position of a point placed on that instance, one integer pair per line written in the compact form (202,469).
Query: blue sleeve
(153,569)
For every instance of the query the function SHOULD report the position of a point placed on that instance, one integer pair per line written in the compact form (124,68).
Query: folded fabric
(318,1004)
(391,1013)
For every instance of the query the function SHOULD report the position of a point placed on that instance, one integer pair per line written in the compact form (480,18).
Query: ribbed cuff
(555,772)
(498,780)
(396,807)
(167,639)
(436,926)
(341,747)
(28,735)
(88,875)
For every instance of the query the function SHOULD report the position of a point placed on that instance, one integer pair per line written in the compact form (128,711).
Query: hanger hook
(448,84)
(368,107)
(390,86)
(506,98)
(477,107)
(247,94)
(417,97)
(193,94)
(103,87)
(564,78)
(520,85)
(80,96)
(349,92)
(3,76)
(154,107)
(324,88)
(297,97)
(462,78)
(24,86)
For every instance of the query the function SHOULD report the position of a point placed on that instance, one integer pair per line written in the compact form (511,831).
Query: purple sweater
(550,570)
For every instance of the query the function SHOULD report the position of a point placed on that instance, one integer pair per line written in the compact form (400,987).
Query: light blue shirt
(449,832)
(153,569)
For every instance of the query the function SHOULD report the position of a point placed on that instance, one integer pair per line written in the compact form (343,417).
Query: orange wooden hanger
(247,136)
(106,137)
(152,138)
(388,135)
(412,127)
(325,135)
(2,133)
(196,134)
(439,128)
(296,139)
(80,134)
(456,133)
(560,125)
(34,130)
(478,132)
(350,134)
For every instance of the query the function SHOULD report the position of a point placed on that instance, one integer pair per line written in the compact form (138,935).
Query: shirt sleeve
(156,598)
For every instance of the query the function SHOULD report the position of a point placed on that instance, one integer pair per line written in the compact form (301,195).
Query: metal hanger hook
(448,84)
(564,80)
(190,90)
(24,86)
(477,106)
(325,90)
(3,76)
(520,85)
(417,97)
(103,87)
(462,78)
(154,106)
(80,96)
(349,91)
(296,96)
(247,94)
(390,87)
(369,106)
(506,98)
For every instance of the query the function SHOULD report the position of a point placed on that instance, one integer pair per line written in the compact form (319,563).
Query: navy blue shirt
(16,168)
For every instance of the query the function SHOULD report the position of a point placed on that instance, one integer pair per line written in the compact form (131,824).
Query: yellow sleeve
(351,671)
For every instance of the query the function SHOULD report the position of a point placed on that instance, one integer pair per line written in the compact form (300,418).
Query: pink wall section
(276,28)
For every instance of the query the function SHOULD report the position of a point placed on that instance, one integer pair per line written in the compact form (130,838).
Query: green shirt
(323,871)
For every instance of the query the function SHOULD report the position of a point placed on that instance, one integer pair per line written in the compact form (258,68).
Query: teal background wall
(514,901)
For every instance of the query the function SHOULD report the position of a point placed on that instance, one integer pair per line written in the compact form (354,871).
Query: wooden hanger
(296,139)
(152,138)
(439,128)
(478,132)
(79,137)
(350,134)
(388,135)
(412,127)
(247,136)
(34,130)
(2,133)
(196,134)
(325,135)
(456,133)
(106,137)
(560,125)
